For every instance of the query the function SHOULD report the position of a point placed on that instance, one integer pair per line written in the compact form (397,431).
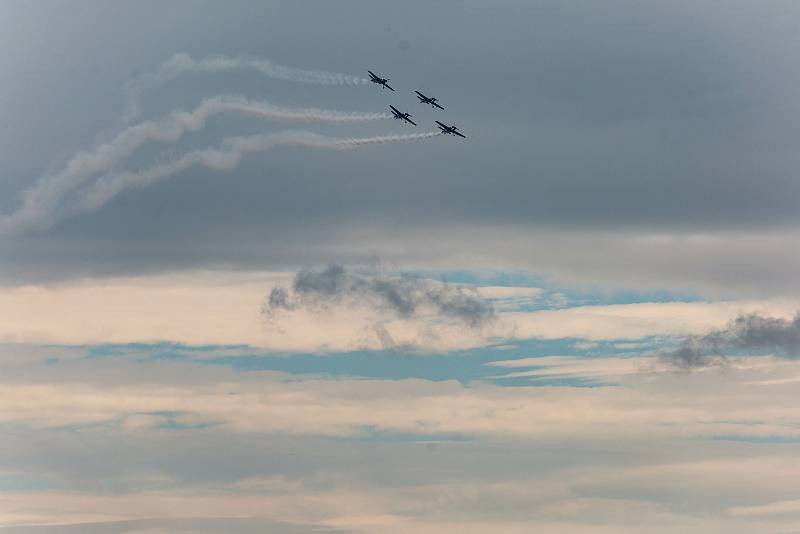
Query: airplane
(399,115)
(374,78)
(452,130)
(426,100)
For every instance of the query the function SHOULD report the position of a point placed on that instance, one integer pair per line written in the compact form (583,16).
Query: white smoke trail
(183,63)
(237,104)
(226,158)
(40,201)
(180,64)
(364,141)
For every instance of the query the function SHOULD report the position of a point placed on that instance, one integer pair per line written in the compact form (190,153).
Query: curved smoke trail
(226,157)
(40,201)
(180,64)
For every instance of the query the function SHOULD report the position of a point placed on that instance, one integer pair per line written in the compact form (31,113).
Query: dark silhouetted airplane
(400,115)
(452,130)
(374,78)
(428,100)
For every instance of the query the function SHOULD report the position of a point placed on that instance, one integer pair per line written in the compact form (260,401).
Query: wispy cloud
(597,370)
(402,296)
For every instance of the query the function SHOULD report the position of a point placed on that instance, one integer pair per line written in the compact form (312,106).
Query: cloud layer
(334,310)
(312,451)
(664,169)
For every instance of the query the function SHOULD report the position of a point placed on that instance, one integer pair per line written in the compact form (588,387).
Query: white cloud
(222,308)
(635,321)
(646,405)
(642,441)
(578,367)
(791,508)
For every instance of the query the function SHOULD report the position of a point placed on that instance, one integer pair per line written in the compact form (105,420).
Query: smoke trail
(226,157)
(40,201)
(364,141)
(180,64)
(237,104)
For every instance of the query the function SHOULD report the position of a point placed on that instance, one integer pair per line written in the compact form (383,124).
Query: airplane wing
(437,105)
(460,135)
(412,122)
(420,94)
(442,125)
(372,74)
(395,109)
(387,85)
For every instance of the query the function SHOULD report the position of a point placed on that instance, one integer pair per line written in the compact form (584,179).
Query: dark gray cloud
(747,332)
(404,297)
(622,115)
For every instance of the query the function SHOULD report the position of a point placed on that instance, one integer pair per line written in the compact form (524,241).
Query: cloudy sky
(235,296)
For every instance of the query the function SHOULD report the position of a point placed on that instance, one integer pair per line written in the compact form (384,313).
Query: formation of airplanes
(433,101)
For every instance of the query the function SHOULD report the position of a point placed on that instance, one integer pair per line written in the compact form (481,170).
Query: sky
(236,296)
